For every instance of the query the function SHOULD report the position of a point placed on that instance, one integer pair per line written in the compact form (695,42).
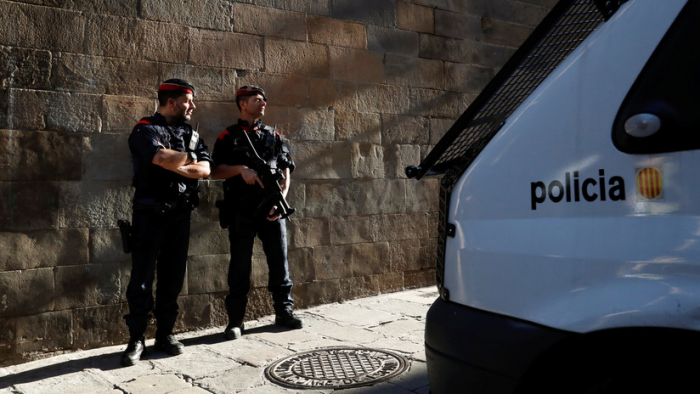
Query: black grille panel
(561,32)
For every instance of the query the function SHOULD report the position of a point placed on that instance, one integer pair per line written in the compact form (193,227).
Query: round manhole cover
(336,368)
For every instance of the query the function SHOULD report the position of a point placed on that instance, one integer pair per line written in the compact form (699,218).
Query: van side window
(665,98)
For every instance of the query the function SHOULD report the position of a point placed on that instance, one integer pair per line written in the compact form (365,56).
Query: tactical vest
(157,183)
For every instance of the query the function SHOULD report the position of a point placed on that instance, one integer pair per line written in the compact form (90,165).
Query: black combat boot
(233,331)
(170,345)
(133,351)
(289,320)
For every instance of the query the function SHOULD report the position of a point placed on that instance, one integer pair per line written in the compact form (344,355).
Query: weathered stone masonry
(359,88)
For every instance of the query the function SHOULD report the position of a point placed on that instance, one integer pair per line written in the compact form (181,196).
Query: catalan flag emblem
(650,183)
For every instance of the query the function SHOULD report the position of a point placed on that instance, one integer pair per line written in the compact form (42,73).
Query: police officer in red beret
(243,190)
(168,159)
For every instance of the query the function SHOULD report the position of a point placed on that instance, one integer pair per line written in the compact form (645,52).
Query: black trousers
(273,235)
(160,245)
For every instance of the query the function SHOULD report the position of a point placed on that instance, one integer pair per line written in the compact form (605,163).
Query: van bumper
(469,350)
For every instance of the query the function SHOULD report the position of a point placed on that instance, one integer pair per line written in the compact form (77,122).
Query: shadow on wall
(356,114)
(353,117)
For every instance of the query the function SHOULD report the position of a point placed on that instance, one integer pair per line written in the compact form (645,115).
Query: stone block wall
(359,88)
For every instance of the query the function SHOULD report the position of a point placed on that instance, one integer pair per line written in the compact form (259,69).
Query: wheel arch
(579,363)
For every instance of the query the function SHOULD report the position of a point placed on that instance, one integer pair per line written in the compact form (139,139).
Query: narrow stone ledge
(356,65)
(210,14)
(269,22)
(296,58)
(336,32)
(44,248)
(43,27)
(415,17)
(19,299)
(226,50)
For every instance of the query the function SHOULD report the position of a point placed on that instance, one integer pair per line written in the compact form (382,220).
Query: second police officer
(235,161)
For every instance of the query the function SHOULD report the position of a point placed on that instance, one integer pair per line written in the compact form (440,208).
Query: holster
(125,230)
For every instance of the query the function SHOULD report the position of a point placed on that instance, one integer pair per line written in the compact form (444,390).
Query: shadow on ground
(110,361)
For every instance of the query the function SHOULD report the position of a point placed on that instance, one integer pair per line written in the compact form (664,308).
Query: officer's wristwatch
(193,157)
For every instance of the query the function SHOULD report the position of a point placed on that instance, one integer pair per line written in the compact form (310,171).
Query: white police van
(569,257)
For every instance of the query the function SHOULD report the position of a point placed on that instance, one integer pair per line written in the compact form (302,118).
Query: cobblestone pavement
(210,364)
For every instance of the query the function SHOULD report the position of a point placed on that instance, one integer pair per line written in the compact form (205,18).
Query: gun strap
(250,143)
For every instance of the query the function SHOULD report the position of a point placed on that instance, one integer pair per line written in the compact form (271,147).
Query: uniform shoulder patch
(223,134)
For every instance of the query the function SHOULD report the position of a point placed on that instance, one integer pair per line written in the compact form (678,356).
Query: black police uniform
(162,204)
(246,220)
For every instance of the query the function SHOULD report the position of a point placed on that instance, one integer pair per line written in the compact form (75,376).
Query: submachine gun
(272,191)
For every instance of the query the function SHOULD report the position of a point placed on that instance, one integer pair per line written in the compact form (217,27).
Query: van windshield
(667,88)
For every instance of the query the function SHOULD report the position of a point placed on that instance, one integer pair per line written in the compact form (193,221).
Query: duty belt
(163,207)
